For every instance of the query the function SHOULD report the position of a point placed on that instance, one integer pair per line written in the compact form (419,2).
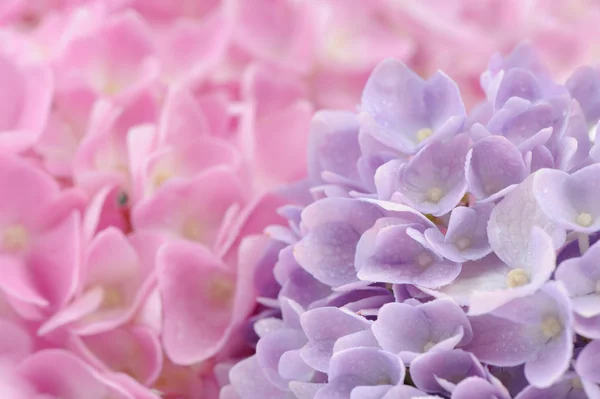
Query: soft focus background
(139,124)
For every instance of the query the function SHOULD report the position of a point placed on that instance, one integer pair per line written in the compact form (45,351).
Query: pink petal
(198,291)
(135,351)
(16,282)
(76,310)
(16,342)
(23,188)
(54,260)
(61,374)
(188,161)
(192,209)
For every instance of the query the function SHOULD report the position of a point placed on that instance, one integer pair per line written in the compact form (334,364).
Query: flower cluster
(144,143)
(444,253)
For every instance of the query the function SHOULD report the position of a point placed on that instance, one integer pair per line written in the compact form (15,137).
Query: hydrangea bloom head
(461,246)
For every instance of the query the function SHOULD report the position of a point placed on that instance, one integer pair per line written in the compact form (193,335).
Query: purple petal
(333,145)
(401,328)
(495,163)
(517,83)
(376,392)
(452,366)
(570,200)
(323,326)
(537,266)
(305,390)
(501,342)
(588,362)
(551,363)
(478,388)
(334,226)
(511,223)
(370,365)
(250,382)
(270,349)
(400,104)
(433,182)
(584,86)
(566,388)
(466,237)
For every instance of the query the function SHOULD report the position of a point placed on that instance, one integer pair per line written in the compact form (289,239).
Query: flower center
(551,327)
(15,238)
(112,298)
(517,278)
(160,178)
(220,290)
(424,134)
(428,345)
(576,382)
(424,259)
(584,219)
(192,230)
(435,194)
(463,243)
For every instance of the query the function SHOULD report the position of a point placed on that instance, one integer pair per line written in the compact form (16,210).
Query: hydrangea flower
(462,257)
(145,145)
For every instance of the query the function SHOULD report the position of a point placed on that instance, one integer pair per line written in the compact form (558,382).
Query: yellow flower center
(551,327)
(435,194)
(517,278)
(113,298)
(220,290)
(463,243)
(424,134)
(160,178)
(15,238)
(428,345)
(584,219)
(192,230)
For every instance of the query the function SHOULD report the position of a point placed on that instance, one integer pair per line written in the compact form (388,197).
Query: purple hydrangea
(443,254)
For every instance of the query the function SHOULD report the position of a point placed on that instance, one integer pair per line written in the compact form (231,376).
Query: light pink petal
(51,213)
(24,188)
(124,272)
(191,49)
(252,219)
(16,282)
(192,209)
(61,374)
(276,31)
(55,260)
(141,141)
(134,351)
(188,161)
(115,60)
(198,292)
(182,119)
(271,90)
(76,310)
(64,130)
(278,154)
(16,343)
(102,157)
(38,93)
(110,258)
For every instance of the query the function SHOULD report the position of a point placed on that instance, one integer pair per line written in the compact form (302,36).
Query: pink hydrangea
(145,145)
